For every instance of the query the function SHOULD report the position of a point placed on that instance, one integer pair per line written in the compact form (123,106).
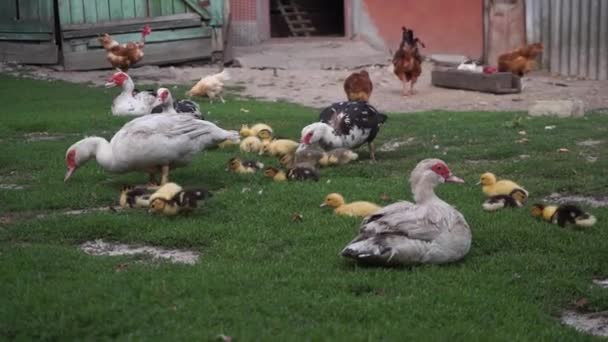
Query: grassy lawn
(262,276)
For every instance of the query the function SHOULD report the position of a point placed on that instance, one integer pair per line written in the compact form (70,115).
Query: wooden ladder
(298,24)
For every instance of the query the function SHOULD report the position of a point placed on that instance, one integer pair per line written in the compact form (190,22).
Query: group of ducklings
(169,199)
(299,162)
(506,193)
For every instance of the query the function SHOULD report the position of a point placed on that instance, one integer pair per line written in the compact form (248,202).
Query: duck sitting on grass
(358,208)
(513,200)
(183,201)
(563,214)
(276,174)
(246,166)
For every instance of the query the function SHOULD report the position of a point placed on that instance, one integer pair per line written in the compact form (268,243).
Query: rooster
(211,86)
(358,86)
(123,56)
(407,60)
(520,61)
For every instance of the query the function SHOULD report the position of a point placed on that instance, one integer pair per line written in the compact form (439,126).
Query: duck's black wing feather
(344,116)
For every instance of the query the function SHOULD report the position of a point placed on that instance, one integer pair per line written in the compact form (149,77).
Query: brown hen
(520,61)
(358,86)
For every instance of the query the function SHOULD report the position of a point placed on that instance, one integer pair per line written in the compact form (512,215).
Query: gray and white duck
(429,231)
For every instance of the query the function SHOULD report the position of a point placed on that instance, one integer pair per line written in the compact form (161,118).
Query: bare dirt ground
(312,73)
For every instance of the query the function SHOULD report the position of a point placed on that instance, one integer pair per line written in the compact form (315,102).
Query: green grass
(264,277)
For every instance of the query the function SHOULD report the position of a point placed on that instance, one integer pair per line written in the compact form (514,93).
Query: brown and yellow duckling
(514,200)
(303,172)
(134,197)
(358,208)
(183,201)
(276,174)
(246,166)
(563,214)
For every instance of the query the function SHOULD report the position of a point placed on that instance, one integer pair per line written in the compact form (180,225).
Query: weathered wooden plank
(28,10)
(90,12)
(141,8)
(583,58)
(47,53)
(155,8)
(128,9)
(47,12)
(103,10)
(158,36)
(115,10)
(65,17)
(193,5)
(216,13)
(132,25)
(179,6)
(594,28)
(166,7)
(25,27)
(497,83)
(603,48)
(8,10)
(162,53)
(77,11)
(574,46)
(555,35)
(37,36)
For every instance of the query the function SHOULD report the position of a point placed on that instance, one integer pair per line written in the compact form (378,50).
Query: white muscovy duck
(129,101)
(151,143)
(345,124)
(164,104)
(428,232)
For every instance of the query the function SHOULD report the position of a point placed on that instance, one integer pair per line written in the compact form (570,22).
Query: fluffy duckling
(563,214)
(309,154)
(183,201)
(276,174)
(131,197)
(514,200)
(246,166)
(227,143)
(167,191)
(287,161)
(280,147)
(491,187)
(260,130)
(338,156)
(358,208)
(251,144)
(303,172)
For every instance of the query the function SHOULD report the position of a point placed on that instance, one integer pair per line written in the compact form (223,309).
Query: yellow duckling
(338,156)
(251,144)
(260,130)
(280,147)
(247,166)
(359,208)
(183,201)
(491,187)
(166,192)
(276,174)
(563,214)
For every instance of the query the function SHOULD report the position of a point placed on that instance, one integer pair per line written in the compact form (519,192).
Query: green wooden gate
(27,31)
(181,30)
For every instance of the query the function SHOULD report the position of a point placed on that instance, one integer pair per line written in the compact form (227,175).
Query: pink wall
(454,26)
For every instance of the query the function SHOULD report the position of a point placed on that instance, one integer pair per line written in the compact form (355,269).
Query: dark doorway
(306,18)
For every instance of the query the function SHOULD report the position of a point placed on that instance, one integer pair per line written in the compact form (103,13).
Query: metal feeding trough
(496,83)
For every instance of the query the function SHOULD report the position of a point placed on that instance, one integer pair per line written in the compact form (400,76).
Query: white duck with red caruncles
(164,104)
(129,101)
(152,143)
(429,231)
(345,124)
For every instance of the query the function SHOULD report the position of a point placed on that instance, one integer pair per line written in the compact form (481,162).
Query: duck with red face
(129,101)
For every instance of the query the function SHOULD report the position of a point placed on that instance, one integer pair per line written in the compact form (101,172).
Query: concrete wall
(454,27)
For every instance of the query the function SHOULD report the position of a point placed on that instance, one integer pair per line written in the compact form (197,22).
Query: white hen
(211,86)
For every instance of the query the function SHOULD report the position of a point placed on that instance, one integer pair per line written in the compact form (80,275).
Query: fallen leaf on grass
(582,303)
(244,110)
(385,197)
(522,133)
(563,150)
(224,338)
(550,127)
(121,267)
(296,217)
(522,140)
